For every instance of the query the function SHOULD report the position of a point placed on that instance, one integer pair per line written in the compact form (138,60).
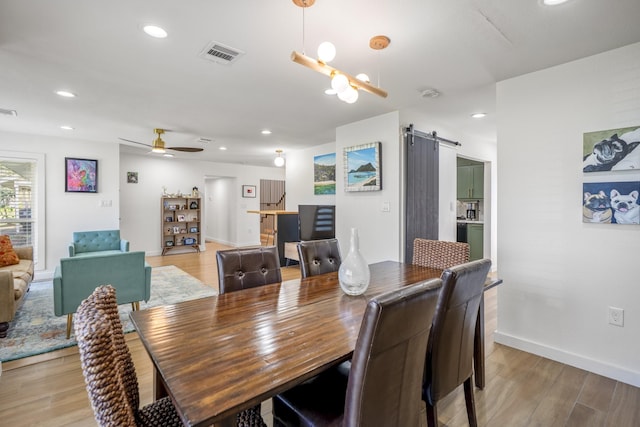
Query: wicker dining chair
(439,254)
(108,369)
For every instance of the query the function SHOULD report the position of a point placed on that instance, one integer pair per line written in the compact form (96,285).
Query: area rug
(36,330)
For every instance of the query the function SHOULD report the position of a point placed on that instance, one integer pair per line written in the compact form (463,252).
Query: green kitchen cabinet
(475,238)
(470,182)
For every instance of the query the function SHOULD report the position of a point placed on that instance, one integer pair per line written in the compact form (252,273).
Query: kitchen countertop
(469,221)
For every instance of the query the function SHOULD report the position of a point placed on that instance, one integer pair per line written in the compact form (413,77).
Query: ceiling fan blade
(134,142)
(186,149)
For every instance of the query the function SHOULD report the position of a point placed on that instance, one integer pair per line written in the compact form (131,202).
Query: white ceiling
(129,83)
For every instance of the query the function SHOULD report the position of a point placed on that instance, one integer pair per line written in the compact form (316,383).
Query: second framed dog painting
(611,202)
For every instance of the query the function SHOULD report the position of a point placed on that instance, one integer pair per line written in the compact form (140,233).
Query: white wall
(560,275)
(69,212)
(299,173)
(220,222)
(140,203)
(379,231)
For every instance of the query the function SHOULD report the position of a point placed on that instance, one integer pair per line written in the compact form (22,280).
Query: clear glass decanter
(354,272)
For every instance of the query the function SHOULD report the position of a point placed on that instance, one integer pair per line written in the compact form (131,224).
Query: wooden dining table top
(219,355)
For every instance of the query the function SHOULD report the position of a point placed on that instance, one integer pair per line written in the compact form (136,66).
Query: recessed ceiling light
(478,115)
(65,127)
(430,93)
(167,155)
(553,2)
(266,132)
(222,147)
(66,93)
(155,31)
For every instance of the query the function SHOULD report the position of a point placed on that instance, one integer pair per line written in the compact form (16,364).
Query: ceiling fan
(159,147)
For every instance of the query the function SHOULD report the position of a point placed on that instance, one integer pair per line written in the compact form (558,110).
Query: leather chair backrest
(247,268)
(439,254)
(449,360)
(386,369)
(319,256)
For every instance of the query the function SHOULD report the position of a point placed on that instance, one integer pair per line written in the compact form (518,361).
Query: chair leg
(69,322)
(469,399)
(432,415)
(135,306)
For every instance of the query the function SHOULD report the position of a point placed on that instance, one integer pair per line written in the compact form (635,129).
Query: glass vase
(354,274)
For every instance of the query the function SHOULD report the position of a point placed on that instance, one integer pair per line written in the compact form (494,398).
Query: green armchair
(100,242)
(76,278)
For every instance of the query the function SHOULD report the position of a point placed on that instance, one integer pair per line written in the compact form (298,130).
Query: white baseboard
(596,366)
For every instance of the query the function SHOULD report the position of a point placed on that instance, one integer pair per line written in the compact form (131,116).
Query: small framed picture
(132,177)
(193,229)
(172,207)
(249,191)
(169,219)
(168,243)
(176,230)
(181,218)
(189,241)
(193,205)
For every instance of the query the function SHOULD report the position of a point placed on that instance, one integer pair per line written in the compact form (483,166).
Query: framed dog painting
(611,202)
(611,150)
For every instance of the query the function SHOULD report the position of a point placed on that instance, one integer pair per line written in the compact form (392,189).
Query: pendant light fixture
(279,161)
(345,85)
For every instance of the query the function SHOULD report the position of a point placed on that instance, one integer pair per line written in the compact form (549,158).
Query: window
(22,200)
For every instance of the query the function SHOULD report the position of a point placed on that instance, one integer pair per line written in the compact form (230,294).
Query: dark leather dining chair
(319,257)
(247,268)
(383,385)
(449,361)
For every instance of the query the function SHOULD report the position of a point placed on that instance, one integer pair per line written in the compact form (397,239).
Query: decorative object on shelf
(181,218)
(279,161)
(193,205)
(363,167)
(172,207)
(193,230)
(189,241)
(176,230)
(164,190)
(168,243)
(132,177)
(342,84)
(354,274)
(324,174)
(249,191)
(195,193)
(169,219)
(81,175)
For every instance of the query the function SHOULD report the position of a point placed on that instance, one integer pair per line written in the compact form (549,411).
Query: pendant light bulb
(326,52)
(340,83)
(350,95)
(279,161)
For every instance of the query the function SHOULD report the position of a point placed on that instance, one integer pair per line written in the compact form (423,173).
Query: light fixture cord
(303,51)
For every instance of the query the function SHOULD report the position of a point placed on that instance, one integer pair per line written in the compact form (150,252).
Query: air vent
(8,112)
(220,53)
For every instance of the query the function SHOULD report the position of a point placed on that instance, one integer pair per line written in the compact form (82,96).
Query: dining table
(219,355)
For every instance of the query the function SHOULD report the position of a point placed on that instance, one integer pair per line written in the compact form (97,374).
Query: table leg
(478,346)
(159,388)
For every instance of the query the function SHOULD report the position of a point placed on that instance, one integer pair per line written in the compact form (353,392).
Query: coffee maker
(472,211)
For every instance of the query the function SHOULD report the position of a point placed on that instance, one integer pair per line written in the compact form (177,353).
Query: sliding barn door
(421,190)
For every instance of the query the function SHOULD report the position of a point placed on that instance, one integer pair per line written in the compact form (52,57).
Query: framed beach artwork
(363,167)
(81,175)
(611,202)
(611,150)
(324,174)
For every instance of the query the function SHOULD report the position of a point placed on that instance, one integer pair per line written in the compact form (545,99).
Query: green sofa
(76,278)
(100,242)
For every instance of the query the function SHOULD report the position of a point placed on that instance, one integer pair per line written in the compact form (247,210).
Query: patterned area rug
(37,330)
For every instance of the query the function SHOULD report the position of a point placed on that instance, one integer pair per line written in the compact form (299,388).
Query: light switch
(386,207)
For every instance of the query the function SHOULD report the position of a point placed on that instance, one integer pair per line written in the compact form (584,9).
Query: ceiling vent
(204,140)
(8,112)
(220,53)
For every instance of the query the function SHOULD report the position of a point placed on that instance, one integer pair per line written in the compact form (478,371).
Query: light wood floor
(522,389)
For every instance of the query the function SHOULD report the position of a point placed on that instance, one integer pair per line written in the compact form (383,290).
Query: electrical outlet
(616,316)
